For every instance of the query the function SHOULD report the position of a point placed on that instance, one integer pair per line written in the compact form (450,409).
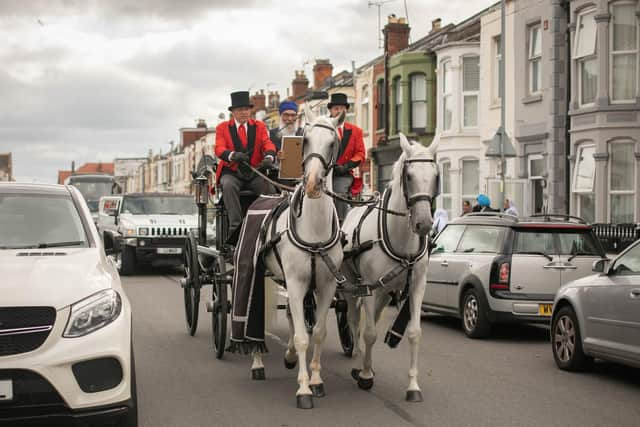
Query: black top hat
(338,99)
(240,99)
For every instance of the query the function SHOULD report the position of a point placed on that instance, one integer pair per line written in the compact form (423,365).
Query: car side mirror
(111,243)
(601,266)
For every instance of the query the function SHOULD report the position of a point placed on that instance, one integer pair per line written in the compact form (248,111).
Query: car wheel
(474,315)
(566,341)
(127,261)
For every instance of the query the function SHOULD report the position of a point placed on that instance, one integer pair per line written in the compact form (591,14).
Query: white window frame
(470,93)
(414,101)
(397,104)
(533,57)
(581,58)
(574,175)
(611,192)
(364,108)
(447,95)
(463,196)
(443,195)
(530,159)
(496,97)
(631,100)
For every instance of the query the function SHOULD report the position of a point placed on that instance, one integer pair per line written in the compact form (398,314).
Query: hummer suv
(148,226)
(491,268)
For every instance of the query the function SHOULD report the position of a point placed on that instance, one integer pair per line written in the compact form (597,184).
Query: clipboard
(291,165)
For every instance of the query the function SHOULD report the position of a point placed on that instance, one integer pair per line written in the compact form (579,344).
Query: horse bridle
(415,198)
(328,165)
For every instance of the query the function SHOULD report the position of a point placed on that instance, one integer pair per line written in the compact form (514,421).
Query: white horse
(309,244)
(395,233)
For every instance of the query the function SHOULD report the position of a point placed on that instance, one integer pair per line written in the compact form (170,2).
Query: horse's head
(319,150)
(416,173)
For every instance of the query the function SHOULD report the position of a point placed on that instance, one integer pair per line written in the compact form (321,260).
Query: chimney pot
(435,24)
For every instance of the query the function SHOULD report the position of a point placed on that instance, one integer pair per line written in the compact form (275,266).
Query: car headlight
(143,231)
(129,231)
(93,313)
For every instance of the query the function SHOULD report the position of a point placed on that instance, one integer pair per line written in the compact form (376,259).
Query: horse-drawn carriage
(209,265)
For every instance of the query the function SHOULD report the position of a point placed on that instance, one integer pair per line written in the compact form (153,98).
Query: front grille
(169,231)
(32,395)
(24,329)
(167,242)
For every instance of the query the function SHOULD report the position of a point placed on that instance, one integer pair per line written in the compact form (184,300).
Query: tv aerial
(379,4)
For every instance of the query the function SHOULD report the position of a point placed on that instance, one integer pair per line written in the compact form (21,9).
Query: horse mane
(416,149)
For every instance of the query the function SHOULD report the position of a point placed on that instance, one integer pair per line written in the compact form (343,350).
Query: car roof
(34,188)
(554,221)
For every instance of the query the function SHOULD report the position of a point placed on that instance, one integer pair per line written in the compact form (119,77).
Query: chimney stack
(322,71)
(299,86)
(274,100)
(396,35)
(259,101)
(201,123)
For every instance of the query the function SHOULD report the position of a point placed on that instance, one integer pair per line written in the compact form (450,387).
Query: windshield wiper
(60,244)
(547,256)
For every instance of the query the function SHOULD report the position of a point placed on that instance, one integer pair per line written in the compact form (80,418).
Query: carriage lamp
(143,231)
(202,190)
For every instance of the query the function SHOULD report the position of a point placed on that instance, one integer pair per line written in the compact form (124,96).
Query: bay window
(470,88)
(584,54)
(397,97)
(583,181)
(418,90)
(447,107)
(621,182)
(445,188)
(380,102)
(624,52)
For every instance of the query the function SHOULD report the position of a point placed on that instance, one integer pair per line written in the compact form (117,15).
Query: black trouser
(231,186)
(341,186)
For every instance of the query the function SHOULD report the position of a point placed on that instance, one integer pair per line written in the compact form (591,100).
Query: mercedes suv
(491,268)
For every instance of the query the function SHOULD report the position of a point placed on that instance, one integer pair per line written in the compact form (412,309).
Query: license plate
(6,390)
(169,251)
(545,309)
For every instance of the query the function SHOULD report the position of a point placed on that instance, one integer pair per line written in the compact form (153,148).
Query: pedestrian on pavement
(510,207)
(466,207)
(484,204)
(240,142)
(346,175)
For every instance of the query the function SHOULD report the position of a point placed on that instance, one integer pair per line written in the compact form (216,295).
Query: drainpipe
(567,123)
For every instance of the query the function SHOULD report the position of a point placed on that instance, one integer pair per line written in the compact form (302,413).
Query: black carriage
(211,265)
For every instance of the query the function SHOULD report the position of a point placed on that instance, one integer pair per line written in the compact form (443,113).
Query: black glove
(267,162)
(240,157)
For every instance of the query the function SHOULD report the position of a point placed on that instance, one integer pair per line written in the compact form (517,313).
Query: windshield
(628,263)
(92,191)
(37,221)
(159,206)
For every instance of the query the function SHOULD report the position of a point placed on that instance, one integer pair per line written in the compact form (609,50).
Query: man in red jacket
(241,141)
(351,155)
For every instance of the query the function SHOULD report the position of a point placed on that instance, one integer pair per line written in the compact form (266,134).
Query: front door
(439,276)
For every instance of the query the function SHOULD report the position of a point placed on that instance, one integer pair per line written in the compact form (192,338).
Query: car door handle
(554,267)
(444,264)
(570,266)
(635,293)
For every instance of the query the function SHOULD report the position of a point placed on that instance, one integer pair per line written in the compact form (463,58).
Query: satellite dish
(207,165)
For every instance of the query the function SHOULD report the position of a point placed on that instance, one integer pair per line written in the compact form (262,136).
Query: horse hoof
(290,365)
(317,390)
(258,374)
(414,396)
(365,383)
(355,374)
(304,401)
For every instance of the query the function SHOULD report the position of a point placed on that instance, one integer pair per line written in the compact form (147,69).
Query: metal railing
(616,237)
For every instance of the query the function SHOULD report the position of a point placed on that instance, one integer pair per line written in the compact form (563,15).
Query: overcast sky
(90,80)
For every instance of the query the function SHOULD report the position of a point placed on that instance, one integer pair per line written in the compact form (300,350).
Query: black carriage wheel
(220,309)
(192,284)
(344,331)
(309,307)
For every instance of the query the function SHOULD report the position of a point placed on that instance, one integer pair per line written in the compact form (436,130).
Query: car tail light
(503,278)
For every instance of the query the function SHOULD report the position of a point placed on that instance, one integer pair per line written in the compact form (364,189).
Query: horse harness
(405,262)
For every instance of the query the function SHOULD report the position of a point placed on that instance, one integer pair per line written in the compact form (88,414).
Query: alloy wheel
(564,339)
(470,313)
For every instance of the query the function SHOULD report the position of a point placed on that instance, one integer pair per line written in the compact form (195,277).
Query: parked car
(491,268)
(66,352)
(148,227)
(93,187)
(599,316)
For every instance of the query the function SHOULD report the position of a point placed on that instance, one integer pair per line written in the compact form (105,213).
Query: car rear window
(482,239)
(534,242)
(578,243)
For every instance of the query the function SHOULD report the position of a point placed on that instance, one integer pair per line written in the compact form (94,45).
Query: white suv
(66,353)
(492,268)
(148,227)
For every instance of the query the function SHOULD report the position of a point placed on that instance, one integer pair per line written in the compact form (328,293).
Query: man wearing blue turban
(288,124)
(484,204)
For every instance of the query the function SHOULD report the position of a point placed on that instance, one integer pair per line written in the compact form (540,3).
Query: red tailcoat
(227,140)
(352,150)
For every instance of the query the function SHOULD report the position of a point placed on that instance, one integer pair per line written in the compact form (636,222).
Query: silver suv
(495,268)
